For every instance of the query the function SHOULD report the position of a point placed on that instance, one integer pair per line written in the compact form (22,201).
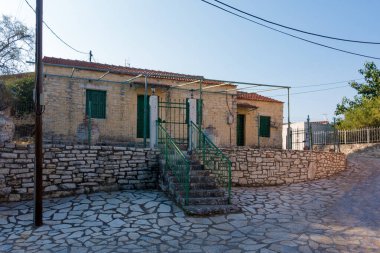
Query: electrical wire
(291,35)
(56,35)
(298,30)
(323,84)
(312,91)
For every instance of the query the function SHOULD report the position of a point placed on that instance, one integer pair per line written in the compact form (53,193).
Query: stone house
(115,97)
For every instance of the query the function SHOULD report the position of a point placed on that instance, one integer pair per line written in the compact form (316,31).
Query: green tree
(22,92)
(367,90)
(5,97)
(365,115)
(16,45)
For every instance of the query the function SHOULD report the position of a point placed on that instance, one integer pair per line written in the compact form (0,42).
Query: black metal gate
(174,117)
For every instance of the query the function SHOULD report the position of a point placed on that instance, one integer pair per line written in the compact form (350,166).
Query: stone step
(203,185)
(199,173)
(207,201)
(196,167)
(194,180)
(203,210)
(206,193)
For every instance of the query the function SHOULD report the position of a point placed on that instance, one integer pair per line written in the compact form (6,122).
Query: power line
(312,91)
(291,35)
(300,87)
(323,84)
(298,30)
(56,35)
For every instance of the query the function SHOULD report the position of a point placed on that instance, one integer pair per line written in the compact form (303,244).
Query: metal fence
(307,139)
(364,135)
(22,115)
(298,139)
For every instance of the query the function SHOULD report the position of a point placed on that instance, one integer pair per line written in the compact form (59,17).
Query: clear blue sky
(191,37)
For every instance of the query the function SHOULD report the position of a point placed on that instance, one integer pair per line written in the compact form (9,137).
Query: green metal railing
(175,161)
(212,158)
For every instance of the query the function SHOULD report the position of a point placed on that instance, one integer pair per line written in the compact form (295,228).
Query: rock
(7,128)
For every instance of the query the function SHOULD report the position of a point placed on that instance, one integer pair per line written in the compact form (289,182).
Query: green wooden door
(140,117)
(240,130)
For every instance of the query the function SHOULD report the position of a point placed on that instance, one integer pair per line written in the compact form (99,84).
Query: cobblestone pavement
(340,214)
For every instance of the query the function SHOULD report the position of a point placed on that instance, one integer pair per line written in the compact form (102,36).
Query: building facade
(116,97)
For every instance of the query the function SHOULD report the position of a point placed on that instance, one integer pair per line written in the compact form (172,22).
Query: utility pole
(91,55)
(38,189)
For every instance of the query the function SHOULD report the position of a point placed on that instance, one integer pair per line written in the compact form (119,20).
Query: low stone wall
(75,169)
(352,148)
(257,167)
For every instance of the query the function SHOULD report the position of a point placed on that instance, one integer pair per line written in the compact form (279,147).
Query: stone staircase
(205,197)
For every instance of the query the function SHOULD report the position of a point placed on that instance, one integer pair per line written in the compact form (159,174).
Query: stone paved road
(341,214)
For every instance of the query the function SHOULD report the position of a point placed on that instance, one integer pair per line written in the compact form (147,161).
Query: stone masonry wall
(258,167)
(351,148)
(75,169)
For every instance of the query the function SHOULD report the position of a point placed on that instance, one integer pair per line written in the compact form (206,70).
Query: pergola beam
(217,85)
(72,73)
(183,84)
(104,75)
(133,78)
(246,83)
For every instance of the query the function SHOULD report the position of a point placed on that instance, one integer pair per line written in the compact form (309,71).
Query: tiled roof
(125,70)
(256,97)
(246,105)
(151,73)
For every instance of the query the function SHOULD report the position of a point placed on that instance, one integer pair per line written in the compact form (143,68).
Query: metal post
(289,144)
(368,136)
(90,55)
(308,133)
(38,187)
(345,136)
(200,106)
(335,149)
(89,127)
(153,102)
(258,130)
(145,111)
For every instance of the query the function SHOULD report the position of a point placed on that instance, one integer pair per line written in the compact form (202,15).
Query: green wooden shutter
(140,117)
(240,130)
(187,112)
(264,126)
(199,110)
(98,103)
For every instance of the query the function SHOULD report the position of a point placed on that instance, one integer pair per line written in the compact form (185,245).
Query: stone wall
(75,169)
(351,148)
(259,167)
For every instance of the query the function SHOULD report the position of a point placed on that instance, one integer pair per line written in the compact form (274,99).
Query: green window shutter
(199,110)
(240,130)
(264,126)
(187,111)
(140,117)
(98,103)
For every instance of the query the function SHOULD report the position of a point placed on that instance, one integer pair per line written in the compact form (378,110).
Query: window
(97,98)
(264,126)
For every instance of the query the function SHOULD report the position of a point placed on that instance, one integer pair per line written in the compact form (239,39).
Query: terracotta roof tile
(125,70)
(256,97)
(246,105)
